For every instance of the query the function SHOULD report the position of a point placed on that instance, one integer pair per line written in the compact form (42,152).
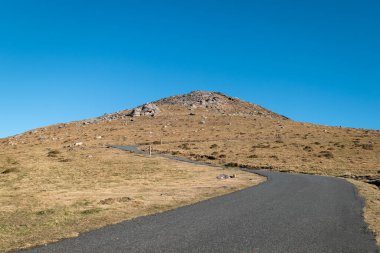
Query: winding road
(288,213)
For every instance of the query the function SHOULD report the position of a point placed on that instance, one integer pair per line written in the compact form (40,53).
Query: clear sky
(313,61)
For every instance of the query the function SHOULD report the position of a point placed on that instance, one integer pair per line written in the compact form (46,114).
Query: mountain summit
(205,101)
(198,99)
(215,102)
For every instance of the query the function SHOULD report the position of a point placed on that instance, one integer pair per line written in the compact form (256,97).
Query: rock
(41,138)
(145,110)
(78,144)
(202,122)
(98,137)
(136,112)
(223,176)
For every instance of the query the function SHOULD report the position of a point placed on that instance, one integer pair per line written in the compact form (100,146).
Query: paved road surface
(288,213)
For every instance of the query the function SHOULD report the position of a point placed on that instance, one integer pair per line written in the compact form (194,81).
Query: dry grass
(280,144)
(372,206)
(223,138)
(46,195)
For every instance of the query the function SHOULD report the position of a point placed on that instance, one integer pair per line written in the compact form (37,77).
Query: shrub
(368,146)
(210,157)
(308,148)
(261,145)
(326,154)
(9,170)
(53,153)
(274,157)
(64,160)
(184,146)
(232,165)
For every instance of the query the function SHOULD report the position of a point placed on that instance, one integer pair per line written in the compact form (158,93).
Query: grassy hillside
(65,175)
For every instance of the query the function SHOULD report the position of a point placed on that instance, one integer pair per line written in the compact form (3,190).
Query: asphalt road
(288,213)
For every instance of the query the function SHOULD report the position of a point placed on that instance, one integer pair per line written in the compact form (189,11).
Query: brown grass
(372,206)
(222,138)
(46,195)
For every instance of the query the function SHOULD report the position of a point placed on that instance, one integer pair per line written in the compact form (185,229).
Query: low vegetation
(46,195)
(372,206)
(70,182)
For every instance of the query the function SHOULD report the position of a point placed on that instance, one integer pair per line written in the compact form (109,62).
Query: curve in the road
(288,213)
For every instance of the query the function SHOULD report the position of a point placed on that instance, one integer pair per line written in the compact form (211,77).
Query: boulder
(223,176)
(145,110)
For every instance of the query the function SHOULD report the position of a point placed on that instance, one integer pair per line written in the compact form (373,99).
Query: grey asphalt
(288,213)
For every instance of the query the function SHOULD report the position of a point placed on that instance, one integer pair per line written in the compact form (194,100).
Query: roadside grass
(372,206)
(45,199)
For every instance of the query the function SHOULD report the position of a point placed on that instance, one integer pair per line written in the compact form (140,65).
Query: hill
(201,125)
(242,132)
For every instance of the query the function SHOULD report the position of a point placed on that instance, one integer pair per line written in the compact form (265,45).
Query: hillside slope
(204,126)
(222,129)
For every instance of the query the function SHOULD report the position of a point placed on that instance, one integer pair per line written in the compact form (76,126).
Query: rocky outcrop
(198,99)
(145,110)
(218,103)
(215,102)
(149,109)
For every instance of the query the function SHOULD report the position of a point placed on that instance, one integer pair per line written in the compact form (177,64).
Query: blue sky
(313,61)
